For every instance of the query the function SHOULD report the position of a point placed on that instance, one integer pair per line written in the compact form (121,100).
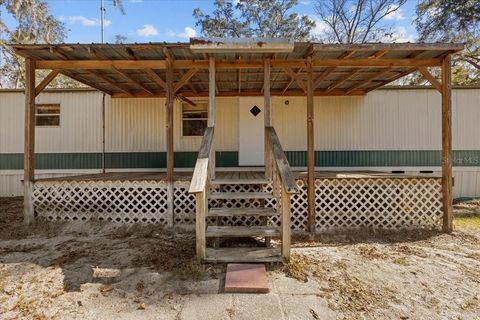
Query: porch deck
(237,173)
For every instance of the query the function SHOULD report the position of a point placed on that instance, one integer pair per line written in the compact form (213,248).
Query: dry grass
(467,222)
(344,291)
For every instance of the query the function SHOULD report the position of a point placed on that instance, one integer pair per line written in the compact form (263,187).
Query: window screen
(194,119)
(47,115)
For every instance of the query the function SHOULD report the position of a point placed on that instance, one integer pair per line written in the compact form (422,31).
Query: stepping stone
(246,278)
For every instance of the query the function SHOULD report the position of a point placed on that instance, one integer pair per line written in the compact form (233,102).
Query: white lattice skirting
(341,203)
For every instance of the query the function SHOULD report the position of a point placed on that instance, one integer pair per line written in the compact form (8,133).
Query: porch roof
(139,70)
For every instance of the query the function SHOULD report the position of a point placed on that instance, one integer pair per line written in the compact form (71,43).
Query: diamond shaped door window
(255,111)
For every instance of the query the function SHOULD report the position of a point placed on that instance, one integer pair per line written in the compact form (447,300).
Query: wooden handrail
(281,162)
(201,172)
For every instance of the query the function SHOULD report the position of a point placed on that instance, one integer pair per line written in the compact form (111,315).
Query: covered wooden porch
(235,67)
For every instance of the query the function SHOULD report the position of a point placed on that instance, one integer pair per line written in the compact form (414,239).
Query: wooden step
(243,255)
(241,195)
(240,181)
(231,231)
(236,212)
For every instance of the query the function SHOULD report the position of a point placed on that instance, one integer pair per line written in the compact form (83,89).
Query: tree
(254,18)
(120,38)
(34,25)
(453,21)
(357,21)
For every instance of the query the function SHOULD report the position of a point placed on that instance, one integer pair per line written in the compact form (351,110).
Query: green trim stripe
(125,160)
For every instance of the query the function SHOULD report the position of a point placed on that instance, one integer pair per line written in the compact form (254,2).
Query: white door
(251,131)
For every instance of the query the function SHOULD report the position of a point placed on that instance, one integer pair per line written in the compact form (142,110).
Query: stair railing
(284,185)
(200,186)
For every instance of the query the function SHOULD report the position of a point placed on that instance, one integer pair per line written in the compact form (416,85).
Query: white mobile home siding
(385,120)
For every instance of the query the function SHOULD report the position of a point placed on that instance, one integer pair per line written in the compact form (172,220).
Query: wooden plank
(240,212)
(447,197)
(201,204)
(310,150)
(169,120)
(170,203)
(229,231)
(286,224)
(241,195)
(267,115)
(281,162)
(255,180)
(200,173)
(243,255)
(212,91)
(46,81)
(430,78)
(29,143)
(234,64)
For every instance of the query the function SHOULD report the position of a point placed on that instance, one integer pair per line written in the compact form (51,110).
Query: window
(194,119)
(47,115)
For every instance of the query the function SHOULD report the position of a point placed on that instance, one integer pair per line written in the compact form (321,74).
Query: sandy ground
(105,271)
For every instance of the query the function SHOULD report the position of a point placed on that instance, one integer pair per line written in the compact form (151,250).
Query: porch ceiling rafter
(138,70)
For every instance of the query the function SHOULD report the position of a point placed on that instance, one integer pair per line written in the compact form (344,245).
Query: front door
(251,151)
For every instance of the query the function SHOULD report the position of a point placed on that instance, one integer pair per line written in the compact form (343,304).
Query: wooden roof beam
(343,80)
(185,79)
(111,82)
(398,76)
(430,78)
(291,81)
(296,78)
(347,54)
(367,80)
(233,93)
(235,64)
(156,78)
(322,76)
(46,81)
(189,82)
(378,54)
(134,81)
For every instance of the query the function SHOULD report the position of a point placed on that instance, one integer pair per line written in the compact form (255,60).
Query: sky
(172,20)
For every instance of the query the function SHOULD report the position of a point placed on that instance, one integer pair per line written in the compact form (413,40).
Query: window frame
(59,115)
(203,110)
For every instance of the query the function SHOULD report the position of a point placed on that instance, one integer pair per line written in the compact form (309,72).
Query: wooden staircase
(251,254)
(253,204)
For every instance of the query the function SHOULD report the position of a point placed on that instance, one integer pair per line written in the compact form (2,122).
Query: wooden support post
(211,109)
(286,223)
(169,117)
(29,141)
(447,145)
(267,117)
(310,149)
(201,203)
(170,151)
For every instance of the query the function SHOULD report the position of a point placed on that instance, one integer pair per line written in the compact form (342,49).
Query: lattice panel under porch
(386,203)
(118,201)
